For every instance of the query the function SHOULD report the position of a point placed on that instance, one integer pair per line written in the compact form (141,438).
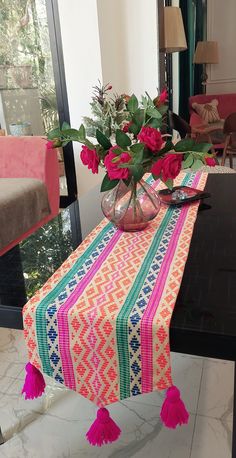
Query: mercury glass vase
(132,207)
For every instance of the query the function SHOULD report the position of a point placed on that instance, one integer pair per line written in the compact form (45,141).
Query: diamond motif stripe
(147,319)
(139,307)
(51,313)
(94,298)
(41,323)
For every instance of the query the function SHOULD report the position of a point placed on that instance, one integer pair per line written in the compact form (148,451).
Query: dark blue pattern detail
(52,334)
(144,296)
(62,297)
(54,358)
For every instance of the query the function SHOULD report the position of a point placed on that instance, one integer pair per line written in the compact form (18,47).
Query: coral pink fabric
(226,106)
(27,157)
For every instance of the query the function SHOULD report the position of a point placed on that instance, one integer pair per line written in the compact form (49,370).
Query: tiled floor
(54,426)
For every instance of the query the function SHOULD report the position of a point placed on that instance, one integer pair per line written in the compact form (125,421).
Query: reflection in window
(45,250)
(28,104)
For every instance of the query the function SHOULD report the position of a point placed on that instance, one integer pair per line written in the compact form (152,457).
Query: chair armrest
(23,157)
(197,121)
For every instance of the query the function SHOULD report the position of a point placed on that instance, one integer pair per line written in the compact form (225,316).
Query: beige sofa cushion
(23,203)
(208,111)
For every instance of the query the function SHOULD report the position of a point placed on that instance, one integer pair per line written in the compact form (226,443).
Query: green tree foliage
(45,250)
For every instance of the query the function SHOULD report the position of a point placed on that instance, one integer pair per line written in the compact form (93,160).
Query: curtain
(194,19)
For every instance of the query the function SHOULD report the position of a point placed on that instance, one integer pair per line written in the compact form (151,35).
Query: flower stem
(134,200)
(149,195)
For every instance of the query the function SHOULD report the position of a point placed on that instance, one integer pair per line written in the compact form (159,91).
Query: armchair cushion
(23,203)
(26,158)
(207,111)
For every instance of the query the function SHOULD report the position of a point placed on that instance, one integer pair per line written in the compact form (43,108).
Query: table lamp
(172,34)
(171,39)
(206,53)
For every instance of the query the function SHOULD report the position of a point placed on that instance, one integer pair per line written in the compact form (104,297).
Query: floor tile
(187,373)
(5,384)
(212,439)
(217,387)
(12,345)
(61,433)
(11,369)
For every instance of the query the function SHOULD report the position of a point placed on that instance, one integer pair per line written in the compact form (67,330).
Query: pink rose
(113,170)
(56,143)
(210,161)
(90,158)
(49,145)
(168,166)
(126,126)
(151,138)
(163,96)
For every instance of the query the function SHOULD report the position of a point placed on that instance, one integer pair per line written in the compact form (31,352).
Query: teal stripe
(41,322)
(122,330)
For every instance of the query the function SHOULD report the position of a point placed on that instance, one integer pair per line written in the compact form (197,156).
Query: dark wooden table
(204,319)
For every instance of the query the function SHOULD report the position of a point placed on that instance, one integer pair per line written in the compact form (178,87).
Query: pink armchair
(27,157)
(226,106)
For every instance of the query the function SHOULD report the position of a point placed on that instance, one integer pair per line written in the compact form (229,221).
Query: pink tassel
(103,430)
(173,410)
(34,382)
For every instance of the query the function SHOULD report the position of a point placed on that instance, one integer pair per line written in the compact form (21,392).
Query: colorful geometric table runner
(100,324)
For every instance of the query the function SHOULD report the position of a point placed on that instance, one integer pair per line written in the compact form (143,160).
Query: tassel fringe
(103,430)
(173,410)
(34,382)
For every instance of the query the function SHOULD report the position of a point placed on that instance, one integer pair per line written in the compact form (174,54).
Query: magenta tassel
(103,430)
(173,410)
(34,382)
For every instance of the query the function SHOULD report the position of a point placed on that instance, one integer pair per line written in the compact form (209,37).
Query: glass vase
(132,207)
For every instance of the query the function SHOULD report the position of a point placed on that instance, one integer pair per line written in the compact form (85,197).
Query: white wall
(129,45)
(175,70)
(114,40)
(221,17)
(82,59)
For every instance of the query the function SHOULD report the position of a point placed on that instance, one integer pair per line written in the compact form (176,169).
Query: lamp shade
(172,35)
(206,53)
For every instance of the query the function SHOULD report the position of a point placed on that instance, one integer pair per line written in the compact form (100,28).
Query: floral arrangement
(128,140)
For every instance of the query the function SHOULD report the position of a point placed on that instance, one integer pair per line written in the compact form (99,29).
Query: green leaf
(137,171)
(134,129)
(168,146)
(65,126)
(144,102)
(138,150)
(122,139)
(138,117)
(188,161)
(163,109)
(169,183)
(55,133)
(82,132)
(154,113)
(156,123)
(132,104)
(108,184)
(73,134)
(127,182)
(202,147)
(88,144)
(196,165)
(103,140)
(184,145)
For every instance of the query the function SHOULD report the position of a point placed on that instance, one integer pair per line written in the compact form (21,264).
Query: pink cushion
(27,157)
(226,105)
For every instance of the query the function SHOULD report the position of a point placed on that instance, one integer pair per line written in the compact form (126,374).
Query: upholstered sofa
(226,106)
(29,187)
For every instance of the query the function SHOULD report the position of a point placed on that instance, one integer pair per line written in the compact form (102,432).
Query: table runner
(100,324)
